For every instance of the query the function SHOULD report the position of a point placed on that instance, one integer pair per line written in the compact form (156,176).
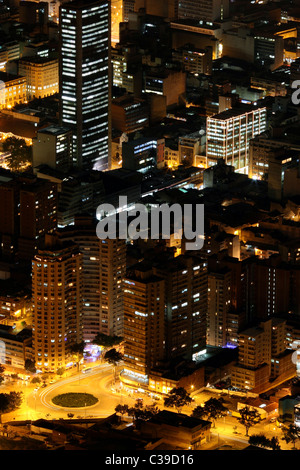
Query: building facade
(53,147)
(85,80)
(144,323)
(229,134)
(41,76)
(12,90)
(57,304)
(186,306)
(263,356)
(205,10)
(219,296)
(29,212)
(103,273)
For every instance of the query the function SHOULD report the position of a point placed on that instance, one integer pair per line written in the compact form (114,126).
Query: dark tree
(249,417)
(2,370)
(139,412)
(29,365)
(274,443)
(77,350)
(177,398)
(4,404)
(10,402)
(20,153)
(198,412)
(214,409)
(60,371)
(112,356)
(291,434)
(122,409)
(15,400)
(260,440)
(106,341)
(146,413)
(36,380)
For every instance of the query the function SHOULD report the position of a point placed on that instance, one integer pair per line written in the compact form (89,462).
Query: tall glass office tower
(85,78)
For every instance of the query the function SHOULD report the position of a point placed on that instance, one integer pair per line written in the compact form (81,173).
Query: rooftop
(178,420)
(7,77)
(54,130)
(237,111)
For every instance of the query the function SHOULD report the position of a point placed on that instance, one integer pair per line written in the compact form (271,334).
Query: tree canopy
(107,341)
(260,440)
(113,356)
(10,402)
(248,417)
(177,398)
(77,350)
(214,408)
(2,369)
(198,412)
(291,434)
(139,412)
(20,154)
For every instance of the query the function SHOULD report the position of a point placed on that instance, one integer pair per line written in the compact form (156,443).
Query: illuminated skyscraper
(103,272)
(85,80)
(144,322)
(218,307)
(57,303)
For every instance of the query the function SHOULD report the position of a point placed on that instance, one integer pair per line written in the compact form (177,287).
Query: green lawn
(75,400)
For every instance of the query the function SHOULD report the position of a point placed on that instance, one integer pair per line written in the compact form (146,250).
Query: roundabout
(42,403)
(74,400)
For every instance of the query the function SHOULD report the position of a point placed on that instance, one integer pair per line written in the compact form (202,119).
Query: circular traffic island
(74,400)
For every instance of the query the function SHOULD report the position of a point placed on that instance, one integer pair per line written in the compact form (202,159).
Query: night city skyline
(149,227)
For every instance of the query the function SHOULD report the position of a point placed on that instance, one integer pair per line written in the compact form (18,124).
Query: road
(38,404)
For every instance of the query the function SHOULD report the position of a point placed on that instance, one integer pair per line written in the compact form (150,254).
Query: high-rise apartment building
(263,356)
(34,12)
(141,154)
(186,305)
(112,256)
(229,134)
(85,78)
(103,273)
(254,361)
(169,83)
(144,322)
(165,304)
(57,303)
(219,296)
(268,49)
